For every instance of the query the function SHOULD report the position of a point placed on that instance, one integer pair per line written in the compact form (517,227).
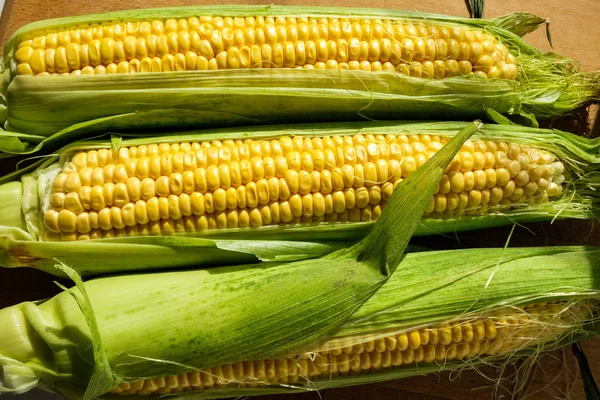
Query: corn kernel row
(338,150)
(87,225)
(373,146)
(437,69)
(238,164)
(303,28)
(112,205)
(146,178)
(135,220)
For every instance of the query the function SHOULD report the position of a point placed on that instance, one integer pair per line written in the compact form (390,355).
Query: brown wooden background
(575,27)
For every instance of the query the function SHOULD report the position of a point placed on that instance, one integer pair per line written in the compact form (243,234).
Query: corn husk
(547,85)
(168,323)
(463,293)
(21,242)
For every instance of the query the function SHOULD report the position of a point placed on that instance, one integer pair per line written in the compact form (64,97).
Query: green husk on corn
(308,322)
(174,332)
(232,65)
(279,192)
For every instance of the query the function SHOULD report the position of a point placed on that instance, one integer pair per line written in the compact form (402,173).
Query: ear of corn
(232,64)
(375,357)
(166,324)
(300,191)
(427,50)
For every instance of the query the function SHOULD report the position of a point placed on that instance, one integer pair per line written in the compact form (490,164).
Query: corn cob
(173,66)
(425,50)
(166,188)
(305,185)
(409,326)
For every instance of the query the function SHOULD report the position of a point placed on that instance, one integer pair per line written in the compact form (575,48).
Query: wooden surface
(575,33)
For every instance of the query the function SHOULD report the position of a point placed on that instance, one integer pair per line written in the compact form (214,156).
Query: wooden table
(575,33)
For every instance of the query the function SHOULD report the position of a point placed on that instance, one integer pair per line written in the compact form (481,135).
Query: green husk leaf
(548,34)
(402,302)
(220,325)
(102,379)
(525,119)
(116,142)
(127,308)
(16,378)
(152,253)
(271,250)
(12,144)
(418,292)
(10,209)
(142,123)
(498,118)
(243,96)
(384,246)
(486,279)
(519,23)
